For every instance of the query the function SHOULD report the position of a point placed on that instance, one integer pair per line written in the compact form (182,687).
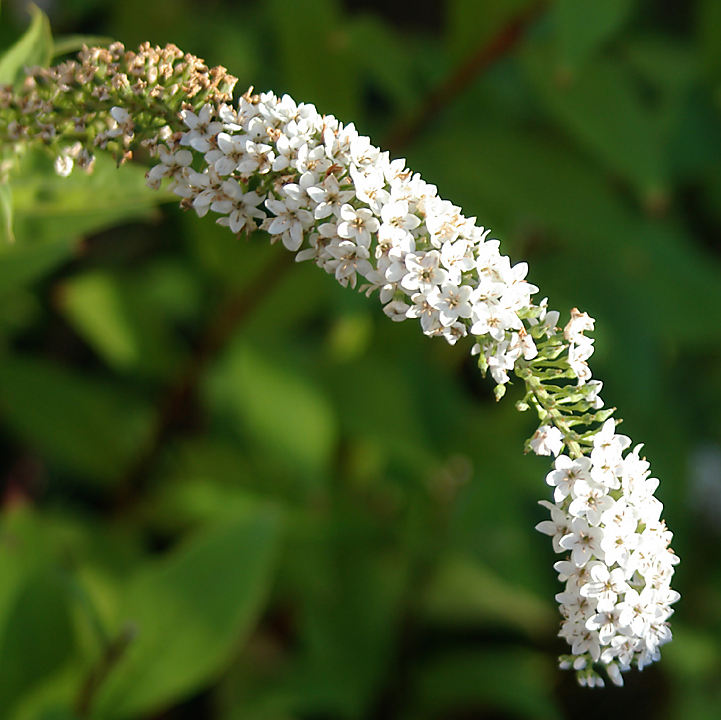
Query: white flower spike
(329,195)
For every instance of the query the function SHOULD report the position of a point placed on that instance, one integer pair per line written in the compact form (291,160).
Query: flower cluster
(617,597)
(105,99)
(329,195)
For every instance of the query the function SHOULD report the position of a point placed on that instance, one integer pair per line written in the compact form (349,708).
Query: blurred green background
(233,490)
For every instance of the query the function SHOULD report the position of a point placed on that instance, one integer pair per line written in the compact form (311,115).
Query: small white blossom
(357,225)
(547,440)
(202,129)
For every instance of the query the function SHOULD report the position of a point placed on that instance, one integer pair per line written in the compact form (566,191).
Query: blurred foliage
(234,490)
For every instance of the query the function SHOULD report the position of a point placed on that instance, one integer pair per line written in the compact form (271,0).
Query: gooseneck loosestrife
(332,197)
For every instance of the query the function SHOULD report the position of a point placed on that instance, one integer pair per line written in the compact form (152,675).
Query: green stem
(112,655)
(549,410)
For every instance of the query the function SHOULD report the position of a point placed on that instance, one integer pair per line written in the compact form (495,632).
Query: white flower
(290,221)
(396,310)
(457,258)
(547,440)
(357,225)
(370,187)
(546,318)
(566,473)
(421,308)
(557,526)
(362,152)
(397,221)
(311,159)
(454,332)
(638,610)
(349,258)
(123,123)
(589,501)
(605,587)
(328,198)
(64,165)
(605,622)
(424,272)
(583,541)
(577,325)
(452,302)
(620,562)
(258,157)
(504,359)
(619,542)
(241,208)
(528,347)
(170,165)
(578,355)
(494,320)
(359,212)
(201,128)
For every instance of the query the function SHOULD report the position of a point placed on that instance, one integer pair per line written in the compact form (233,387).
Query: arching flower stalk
(328,195)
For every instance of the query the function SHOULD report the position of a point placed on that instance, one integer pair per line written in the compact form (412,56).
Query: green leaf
(313,43)
(36,634)
(381,53)
(583,27)
(708,23)
(94,305)
(49,207)
(38,637)
(23,264)
(129,318)
(350,597)
(55,713)
(694,655)
(291,418)
(86,426)
(464,592)
(35,47)
(190,612)
(515,681)
(6,215)
(604,109)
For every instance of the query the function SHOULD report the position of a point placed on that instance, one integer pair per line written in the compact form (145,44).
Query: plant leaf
(49,207)
(81,423)
(35,47)
(582,27)
(23,264)
(515,681)
(253,386)
(191,611)
(94,305)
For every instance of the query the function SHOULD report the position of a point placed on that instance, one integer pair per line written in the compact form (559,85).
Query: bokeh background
(233,490)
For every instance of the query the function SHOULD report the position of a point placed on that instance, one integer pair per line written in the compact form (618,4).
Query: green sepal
(482,363)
